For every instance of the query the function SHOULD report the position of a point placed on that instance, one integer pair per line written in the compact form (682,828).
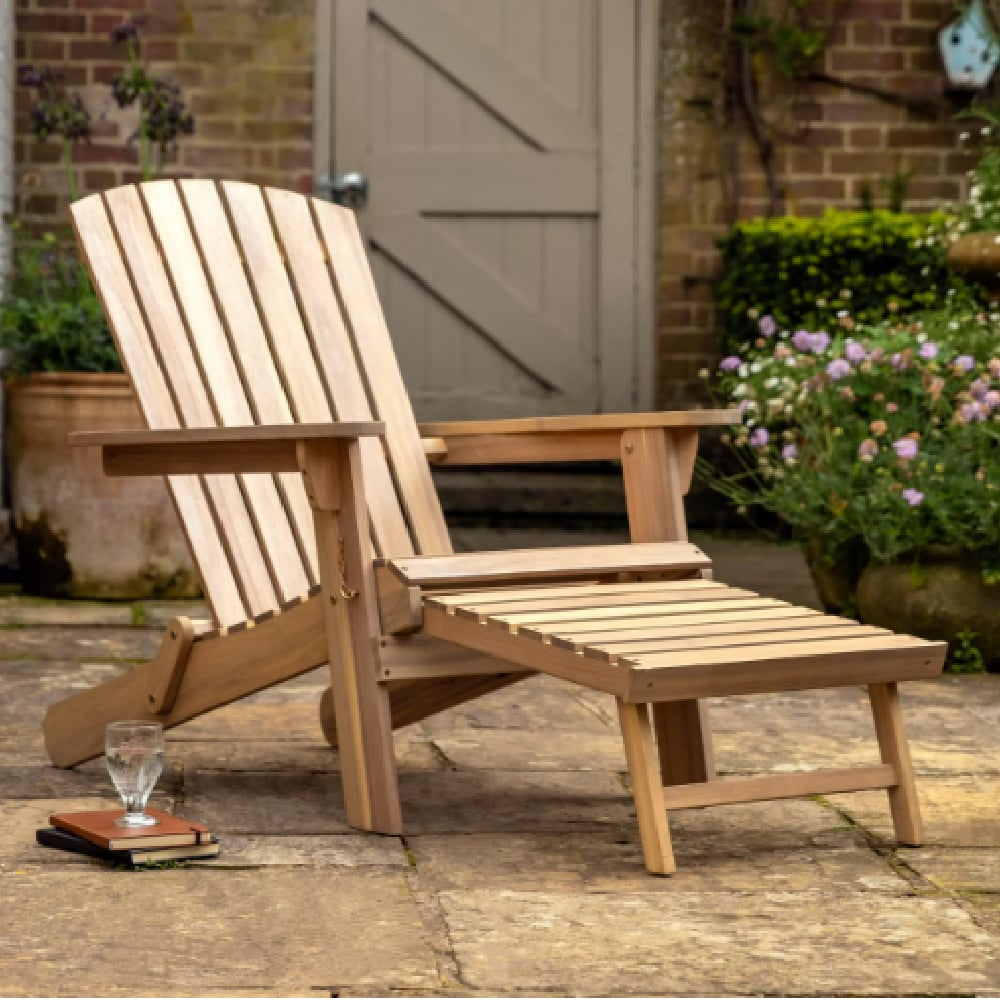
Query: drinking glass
(134,755)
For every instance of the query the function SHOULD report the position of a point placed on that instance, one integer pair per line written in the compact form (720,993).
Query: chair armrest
(204,450)
(592,437)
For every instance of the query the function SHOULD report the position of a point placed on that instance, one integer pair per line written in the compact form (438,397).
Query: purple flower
(820,342)
(913,497)
(971,412)
(979,388)
(906,448)
(759,438)
(730,364)
(802,340)
(767,326)
(839,368)
(853,351)
(789,453)
(965,362)
(928,351)
(992,399)
(868,449)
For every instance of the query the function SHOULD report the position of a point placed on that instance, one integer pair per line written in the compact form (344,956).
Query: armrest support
(593,437)
(203,450)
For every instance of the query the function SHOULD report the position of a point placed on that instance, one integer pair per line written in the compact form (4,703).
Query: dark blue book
(63,840)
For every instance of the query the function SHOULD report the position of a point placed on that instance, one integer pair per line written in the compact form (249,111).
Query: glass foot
(136,819)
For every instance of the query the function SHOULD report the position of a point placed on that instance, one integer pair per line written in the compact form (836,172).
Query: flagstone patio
(521,871)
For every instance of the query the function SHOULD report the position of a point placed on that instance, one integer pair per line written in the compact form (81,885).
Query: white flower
(756,367)
(743,371)
(704,373)
(741,390)
(770,383)
(965,136)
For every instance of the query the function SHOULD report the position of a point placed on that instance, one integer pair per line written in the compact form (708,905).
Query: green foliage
(965,656)
(792,41)
(885,434)
(805,271)
(50,317)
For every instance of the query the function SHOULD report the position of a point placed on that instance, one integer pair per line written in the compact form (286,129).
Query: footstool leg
(888,715)
(647,788)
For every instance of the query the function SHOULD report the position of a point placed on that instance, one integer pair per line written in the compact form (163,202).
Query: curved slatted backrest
(233,305)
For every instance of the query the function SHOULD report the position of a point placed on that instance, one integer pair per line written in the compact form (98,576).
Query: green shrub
(805,271)
(50,317)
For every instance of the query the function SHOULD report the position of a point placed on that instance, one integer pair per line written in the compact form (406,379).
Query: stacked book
(97,835)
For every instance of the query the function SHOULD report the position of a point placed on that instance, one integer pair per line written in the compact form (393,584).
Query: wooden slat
(595,602)
(779,786)
(653,626)
(523,564)
(194,297)
(733,642)
(251,351)
(380,371)
(484,599)
(638,614)
(330,345)
(628,640)
(585,422)
(128,326)
(758,669)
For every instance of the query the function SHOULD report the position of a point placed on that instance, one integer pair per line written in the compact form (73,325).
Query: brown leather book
(99,828)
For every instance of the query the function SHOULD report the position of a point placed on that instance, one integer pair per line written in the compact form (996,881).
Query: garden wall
(245,67)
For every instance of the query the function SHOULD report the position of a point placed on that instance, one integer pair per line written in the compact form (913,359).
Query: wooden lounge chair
(249,324)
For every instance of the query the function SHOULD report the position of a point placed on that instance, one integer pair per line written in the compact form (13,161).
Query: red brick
(921,138)
(861,111)
(939,188)
(865,138)
(866,33)
(882,60)
(933,11)
(128,6)
(64,24)
(861,163)
(822,137)
(913,36)
(817,187)
(868,10)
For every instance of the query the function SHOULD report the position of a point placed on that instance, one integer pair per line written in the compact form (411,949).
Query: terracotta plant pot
(942,597)
(977,256)
(80,533)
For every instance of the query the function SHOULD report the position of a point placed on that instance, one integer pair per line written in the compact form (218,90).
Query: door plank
(467,287)
(485,72)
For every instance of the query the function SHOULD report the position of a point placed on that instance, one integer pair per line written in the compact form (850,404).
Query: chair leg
(684,741)
(888,715)
(647,788)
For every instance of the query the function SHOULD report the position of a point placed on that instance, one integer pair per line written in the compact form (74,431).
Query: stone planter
(835,576)
(944,596)
(977,256)
(80,533)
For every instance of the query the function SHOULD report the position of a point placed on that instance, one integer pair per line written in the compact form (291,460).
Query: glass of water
(134,755)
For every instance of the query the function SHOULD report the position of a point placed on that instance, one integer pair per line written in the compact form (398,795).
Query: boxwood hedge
(803,271)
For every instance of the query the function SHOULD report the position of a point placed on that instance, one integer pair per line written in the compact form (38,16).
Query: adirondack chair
(249,324)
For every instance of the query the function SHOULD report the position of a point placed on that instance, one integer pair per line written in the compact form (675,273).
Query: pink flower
(867,450)
(906,448)
(767,326)
(759,438)
(790,452)
(853,351)
(964,362)
(730,364)
(913,497)
(891,407)
(972,412)
(928,351)
(838,368)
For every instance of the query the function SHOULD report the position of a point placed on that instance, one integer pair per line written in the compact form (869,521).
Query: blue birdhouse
(970,48)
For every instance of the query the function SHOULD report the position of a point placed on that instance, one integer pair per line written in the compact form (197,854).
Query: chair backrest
(236,305)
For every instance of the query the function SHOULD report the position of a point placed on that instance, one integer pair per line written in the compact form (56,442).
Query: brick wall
(245,67)
(841,140)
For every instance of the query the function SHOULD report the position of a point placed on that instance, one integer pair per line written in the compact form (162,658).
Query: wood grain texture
(895,749)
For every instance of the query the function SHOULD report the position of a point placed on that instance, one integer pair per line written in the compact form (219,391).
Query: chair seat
(676,640)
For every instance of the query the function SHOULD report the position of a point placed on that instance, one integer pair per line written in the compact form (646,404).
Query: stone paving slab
(958,811)
(790,943)
(185,931)
(961,869)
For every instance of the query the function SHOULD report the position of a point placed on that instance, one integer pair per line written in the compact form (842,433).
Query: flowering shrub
(979,212)
(884,434)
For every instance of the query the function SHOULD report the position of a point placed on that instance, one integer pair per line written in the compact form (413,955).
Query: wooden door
(509,211)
